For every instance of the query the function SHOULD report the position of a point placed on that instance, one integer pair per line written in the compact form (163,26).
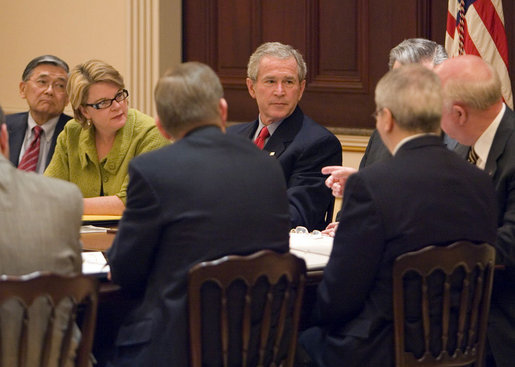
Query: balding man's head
(472,97)
(469,80)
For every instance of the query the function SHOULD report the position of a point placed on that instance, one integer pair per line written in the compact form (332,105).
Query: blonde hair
(82,77)
(188,96)
(413,94)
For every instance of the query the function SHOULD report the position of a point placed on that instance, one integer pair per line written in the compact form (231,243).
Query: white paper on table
(321,245)
(94,262)
(92,229)
(313,261)
(315,250)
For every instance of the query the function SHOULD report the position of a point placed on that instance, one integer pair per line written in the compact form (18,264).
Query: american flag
(476,27)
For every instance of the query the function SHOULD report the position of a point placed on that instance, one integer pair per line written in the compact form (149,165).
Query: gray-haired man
(43,85)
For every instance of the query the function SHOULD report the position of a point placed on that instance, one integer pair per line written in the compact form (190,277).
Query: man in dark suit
(203,197)
(276,79)
(425,195)
(475,115)
(410,51)
(43,85)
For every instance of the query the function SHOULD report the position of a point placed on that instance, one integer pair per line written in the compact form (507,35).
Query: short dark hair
(44,59)
(417,50)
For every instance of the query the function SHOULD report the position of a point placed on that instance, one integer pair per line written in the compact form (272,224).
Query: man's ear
(22,90)
(4,141)
(223,108)
(388,120)
(250,87)
(302,87)
(385,124)
(461,113)
(162,129)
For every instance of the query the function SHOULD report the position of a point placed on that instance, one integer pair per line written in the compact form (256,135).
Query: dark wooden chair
(244,310)
(441,300)
(64,297)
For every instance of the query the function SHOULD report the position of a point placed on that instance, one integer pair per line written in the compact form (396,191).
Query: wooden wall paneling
(338,62)
(345,43)
(438,21)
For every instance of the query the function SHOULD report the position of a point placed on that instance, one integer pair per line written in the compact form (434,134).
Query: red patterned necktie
(260,140)
(29,161)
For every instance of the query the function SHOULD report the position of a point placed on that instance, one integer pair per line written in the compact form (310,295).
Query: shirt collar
(271,128)
(483,144)
(48,127)
(409,138)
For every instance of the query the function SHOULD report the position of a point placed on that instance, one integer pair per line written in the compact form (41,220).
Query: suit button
(106,179)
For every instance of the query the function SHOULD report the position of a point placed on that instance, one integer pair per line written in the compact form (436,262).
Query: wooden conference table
(114,303)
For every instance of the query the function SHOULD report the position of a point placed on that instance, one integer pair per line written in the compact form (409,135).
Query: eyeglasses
(58,86)
(105,103)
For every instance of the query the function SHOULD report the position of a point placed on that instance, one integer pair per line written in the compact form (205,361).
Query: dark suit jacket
(424,195)
(376,150)
(302,147)
(203,197)
(500,166)
(17,125)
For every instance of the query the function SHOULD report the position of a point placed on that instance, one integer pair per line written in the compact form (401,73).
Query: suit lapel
(63,119)
(503,133)
(16,136)
(250,129)
(285,133)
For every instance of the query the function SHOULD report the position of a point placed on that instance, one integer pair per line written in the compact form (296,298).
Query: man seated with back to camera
(410,51)
(392,207)
(205,196)
(40,219)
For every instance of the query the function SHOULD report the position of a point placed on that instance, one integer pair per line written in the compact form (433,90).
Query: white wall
(125,33)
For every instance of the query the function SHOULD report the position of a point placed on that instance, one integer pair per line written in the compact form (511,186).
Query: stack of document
(94,262)
(314,249)
(99,220)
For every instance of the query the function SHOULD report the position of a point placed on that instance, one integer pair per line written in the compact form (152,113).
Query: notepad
(315,250)
(94,262)
(92,229)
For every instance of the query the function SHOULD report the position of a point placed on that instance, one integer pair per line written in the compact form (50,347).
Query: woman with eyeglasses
(95,148)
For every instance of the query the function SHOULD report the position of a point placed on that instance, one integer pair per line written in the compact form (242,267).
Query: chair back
(64,298)
(441,300)
(244,310)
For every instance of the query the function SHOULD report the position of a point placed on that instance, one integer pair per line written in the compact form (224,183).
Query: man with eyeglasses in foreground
(424,195)
(43,85)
